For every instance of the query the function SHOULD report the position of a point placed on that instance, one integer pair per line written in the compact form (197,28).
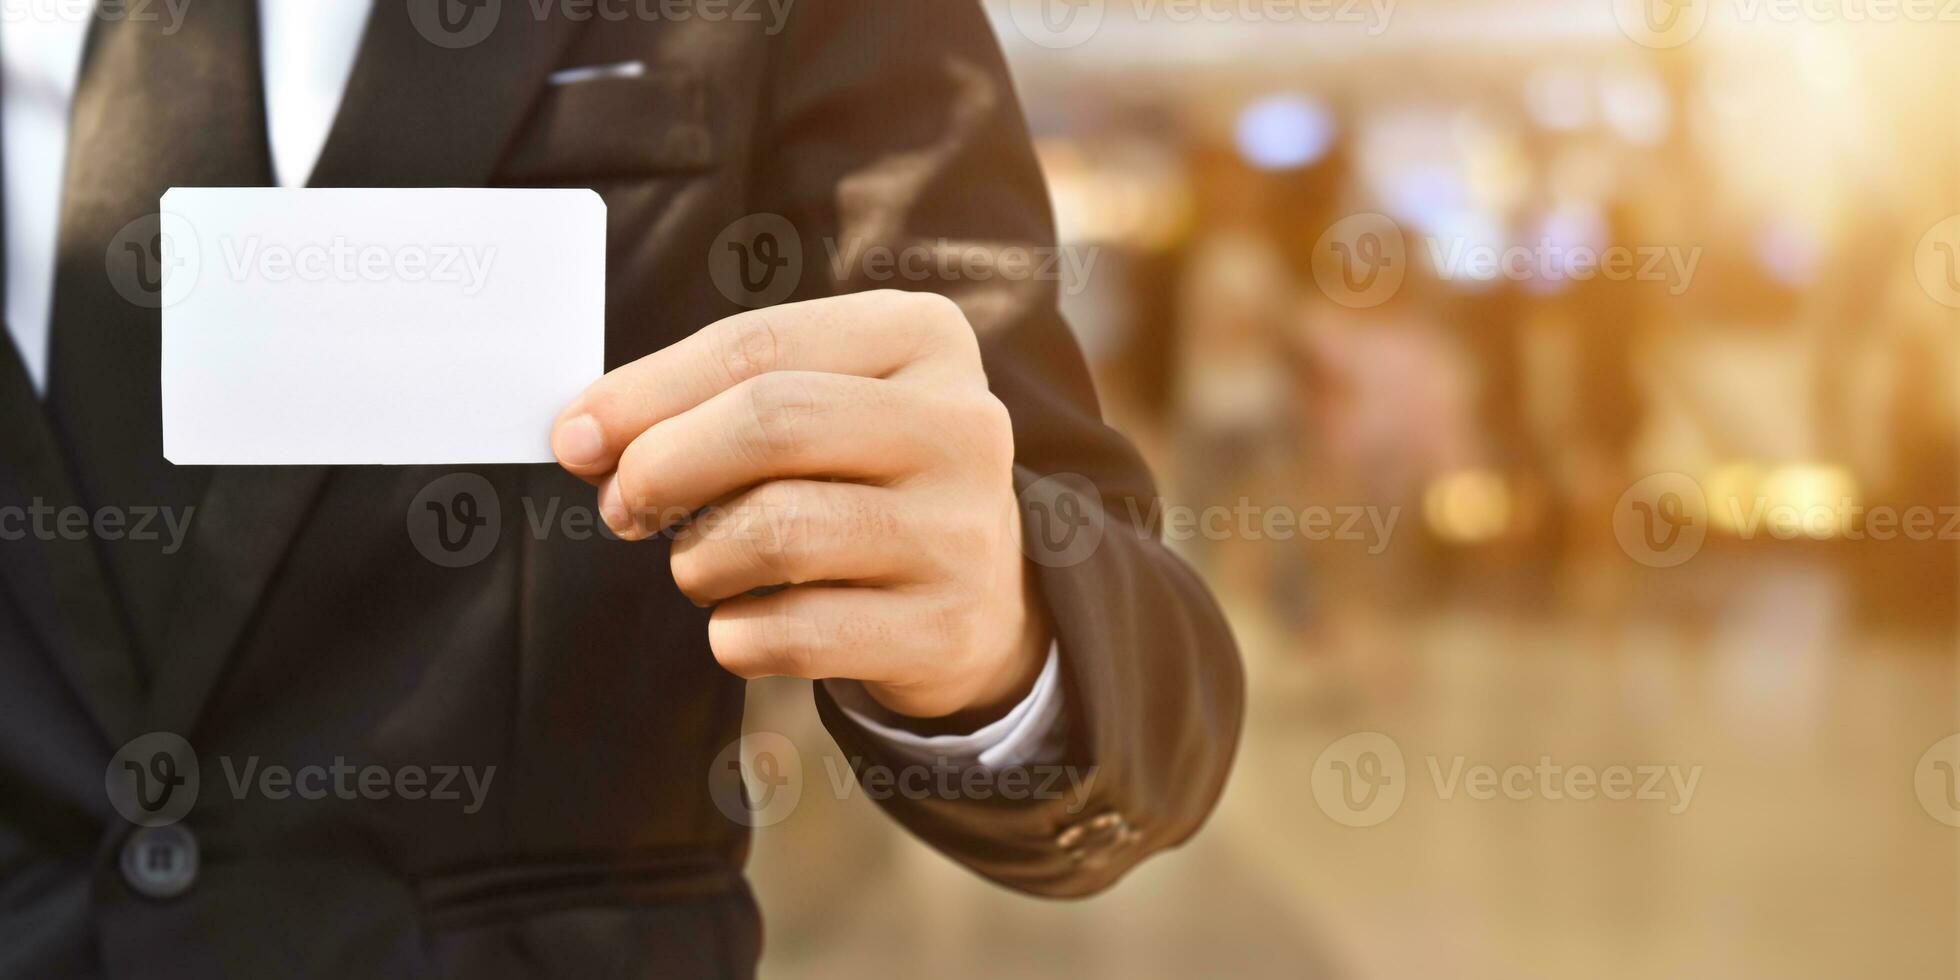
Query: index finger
(875,335)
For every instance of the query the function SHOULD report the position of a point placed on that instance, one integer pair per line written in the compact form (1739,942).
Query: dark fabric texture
(301,624)
(153,109)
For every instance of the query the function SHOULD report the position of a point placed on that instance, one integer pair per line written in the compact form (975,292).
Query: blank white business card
(377,326)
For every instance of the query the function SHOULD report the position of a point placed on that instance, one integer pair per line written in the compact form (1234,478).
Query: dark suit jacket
(310,628)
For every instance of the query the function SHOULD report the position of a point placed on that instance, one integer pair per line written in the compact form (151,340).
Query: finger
(875,335)
(783,425)
(793,532)
(817,631)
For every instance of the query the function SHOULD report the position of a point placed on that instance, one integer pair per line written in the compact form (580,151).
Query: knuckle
(750,346)
(985,426)
(772,547)
(929,307)
(996,424)
(765,510)
(934,323)
(933,308)
(947,322)
(780,405)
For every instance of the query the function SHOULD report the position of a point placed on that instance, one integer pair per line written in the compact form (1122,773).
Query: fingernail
(612,510)
(579,442)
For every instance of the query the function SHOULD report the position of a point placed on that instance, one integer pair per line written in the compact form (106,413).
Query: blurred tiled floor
(1803,853)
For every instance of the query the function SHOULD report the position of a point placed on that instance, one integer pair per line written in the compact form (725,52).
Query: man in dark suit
(964,554)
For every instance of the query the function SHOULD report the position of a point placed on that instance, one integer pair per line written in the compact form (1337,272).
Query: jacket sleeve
(894,125)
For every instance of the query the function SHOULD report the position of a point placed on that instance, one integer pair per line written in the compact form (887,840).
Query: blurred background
(1600,363)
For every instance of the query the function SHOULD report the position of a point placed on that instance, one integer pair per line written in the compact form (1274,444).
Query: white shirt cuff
(1031,733)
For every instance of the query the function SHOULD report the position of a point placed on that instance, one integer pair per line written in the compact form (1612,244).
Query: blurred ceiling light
(1111,207)
(1128,194)
(1559,98)
(1635,106)
(1815,500)
(1425,194)
(1284,132)
(1406,156)
(1463,247)
(1818,501)
(1467,506)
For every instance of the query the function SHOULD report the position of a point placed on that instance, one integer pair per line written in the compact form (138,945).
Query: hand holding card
(382,326)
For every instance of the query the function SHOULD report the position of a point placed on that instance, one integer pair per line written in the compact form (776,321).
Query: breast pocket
(605,126)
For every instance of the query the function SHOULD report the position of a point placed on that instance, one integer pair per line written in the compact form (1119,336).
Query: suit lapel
(58,578)
(419,115)
(415,114)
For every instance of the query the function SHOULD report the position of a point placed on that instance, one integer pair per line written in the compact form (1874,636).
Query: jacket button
(1091,842)
(160,862)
